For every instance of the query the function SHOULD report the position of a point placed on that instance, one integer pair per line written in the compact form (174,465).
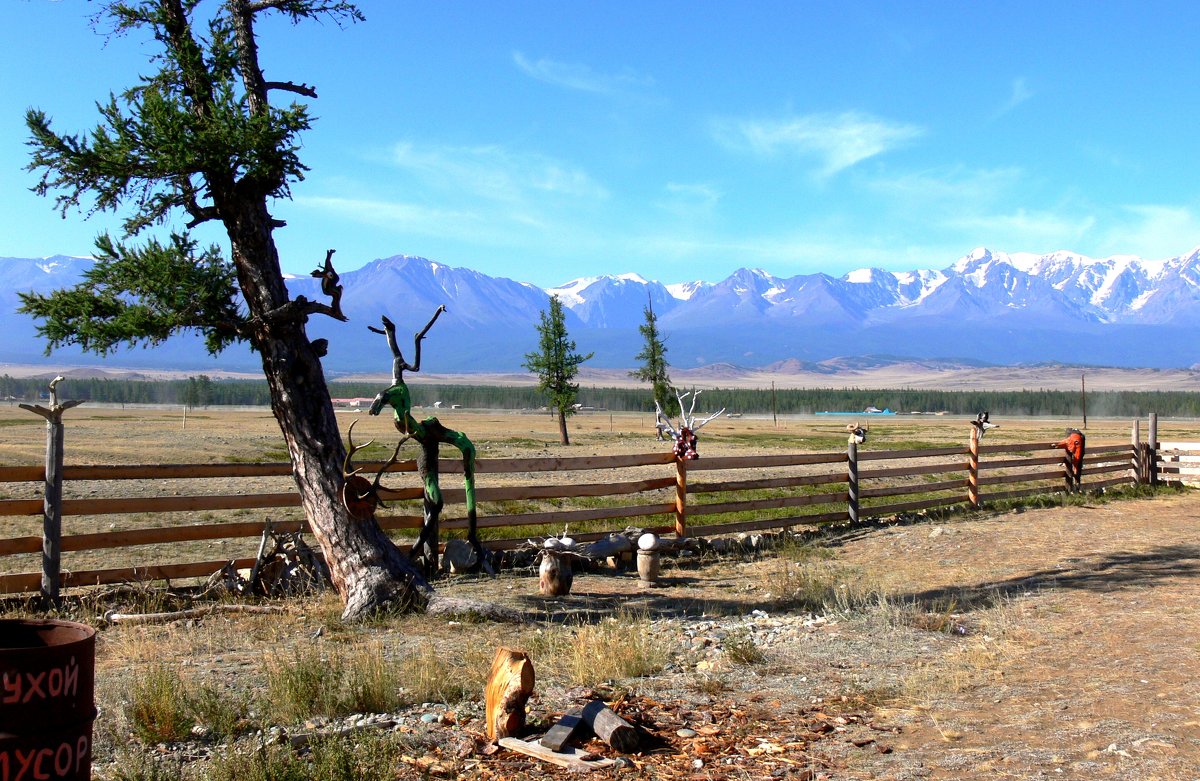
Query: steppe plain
(1057,642)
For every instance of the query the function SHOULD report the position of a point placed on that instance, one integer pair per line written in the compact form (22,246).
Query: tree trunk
(370,573)
(562,426)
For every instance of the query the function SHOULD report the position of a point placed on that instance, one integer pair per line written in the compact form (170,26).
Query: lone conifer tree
(653,358)
(556,364)
(199,138)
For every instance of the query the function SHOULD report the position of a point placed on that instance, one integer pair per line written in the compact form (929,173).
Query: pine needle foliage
(556,364)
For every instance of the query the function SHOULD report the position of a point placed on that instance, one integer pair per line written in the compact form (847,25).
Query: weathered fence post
(973,470)
(1135,441)
(852,480)
(1152,448)
(680,498)
(52,494)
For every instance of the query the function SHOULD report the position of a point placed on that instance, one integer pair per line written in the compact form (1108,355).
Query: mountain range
(987,307)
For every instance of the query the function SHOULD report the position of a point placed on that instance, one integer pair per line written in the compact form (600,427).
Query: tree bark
(370,573)
(562,427)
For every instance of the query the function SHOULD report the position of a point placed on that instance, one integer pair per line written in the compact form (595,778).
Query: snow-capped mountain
(986,306)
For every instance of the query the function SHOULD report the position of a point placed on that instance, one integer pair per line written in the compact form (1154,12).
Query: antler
(664,421)
(360,496)
(711,417)
(346,463)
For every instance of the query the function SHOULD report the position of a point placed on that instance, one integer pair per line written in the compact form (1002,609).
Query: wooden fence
(520,498)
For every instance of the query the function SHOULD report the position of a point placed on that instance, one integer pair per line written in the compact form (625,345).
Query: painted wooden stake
(1135,442)
(852,481)
(1152,446)
(973,470)
(52,494)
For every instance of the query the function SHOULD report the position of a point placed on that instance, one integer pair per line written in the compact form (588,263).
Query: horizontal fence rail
(116,516)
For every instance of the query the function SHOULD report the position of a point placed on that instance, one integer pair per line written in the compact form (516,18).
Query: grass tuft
(158,707)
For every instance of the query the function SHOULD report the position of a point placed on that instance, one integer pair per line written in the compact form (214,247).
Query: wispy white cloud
(495,173)
(1025,230)
(689,200)
(581,77)
(1019,92)
(837,141)
(1153,231)
(953,185)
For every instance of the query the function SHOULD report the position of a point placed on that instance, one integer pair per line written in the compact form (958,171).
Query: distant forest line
(201,391)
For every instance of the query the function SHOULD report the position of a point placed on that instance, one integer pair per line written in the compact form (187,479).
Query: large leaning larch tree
(198,140)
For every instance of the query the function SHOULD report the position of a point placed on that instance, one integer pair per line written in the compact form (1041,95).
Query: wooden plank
(22,474)
(770,482)
(900,507)
(1024,477)
(764,462)
(169,534)
(574,463)
(765,504)
(773,523)
(167,504)
(932,452)
(512,542)
(1124,449)
(919,488)
(525,492)
(560,517)
(173,471)
(906,471)
(1021,493)
(563,731)
(1179,445)
(15,545)
(12,584)
(1100,470)
(570,757)
(1013,463)
(11,507)
(1020,447)
(1093,484)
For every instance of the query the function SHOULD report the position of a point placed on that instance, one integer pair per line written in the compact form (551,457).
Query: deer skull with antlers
(360,495)
(685,437)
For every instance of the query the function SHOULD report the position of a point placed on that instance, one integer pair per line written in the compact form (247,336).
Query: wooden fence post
(680,498)
(1152,447)
(1135,441)
(852,481)
(973,469)
(52,493)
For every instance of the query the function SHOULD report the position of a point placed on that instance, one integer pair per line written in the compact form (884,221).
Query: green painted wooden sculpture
(429,434)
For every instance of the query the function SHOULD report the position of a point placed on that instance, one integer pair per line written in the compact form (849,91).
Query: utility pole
(1083,396)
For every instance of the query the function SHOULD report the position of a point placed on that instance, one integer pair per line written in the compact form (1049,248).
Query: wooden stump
(508,688)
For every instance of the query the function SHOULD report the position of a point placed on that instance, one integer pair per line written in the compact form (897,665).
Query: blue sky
(680,140)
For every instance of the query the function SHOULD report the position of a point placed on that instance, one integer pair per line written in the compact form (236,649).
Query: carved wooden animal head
(858,433)
(982,424)
(685,438)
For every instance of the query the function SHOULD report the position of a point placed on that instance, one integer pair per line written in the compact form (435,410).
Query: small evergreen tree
(653,359)
(556,364)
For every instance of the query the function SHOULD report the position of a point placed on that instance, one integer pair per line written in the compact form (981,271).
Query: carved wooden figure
(686,443)
(429,434)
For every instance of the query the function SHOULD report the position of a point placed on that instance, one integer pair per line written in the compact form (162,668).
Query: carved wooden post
(973,470)
(680,498)
(52,493)
(852,480)
(1152,449)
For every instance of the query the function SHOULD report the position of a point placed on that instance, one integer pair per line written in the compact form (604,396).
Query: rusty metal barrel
(47,699)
